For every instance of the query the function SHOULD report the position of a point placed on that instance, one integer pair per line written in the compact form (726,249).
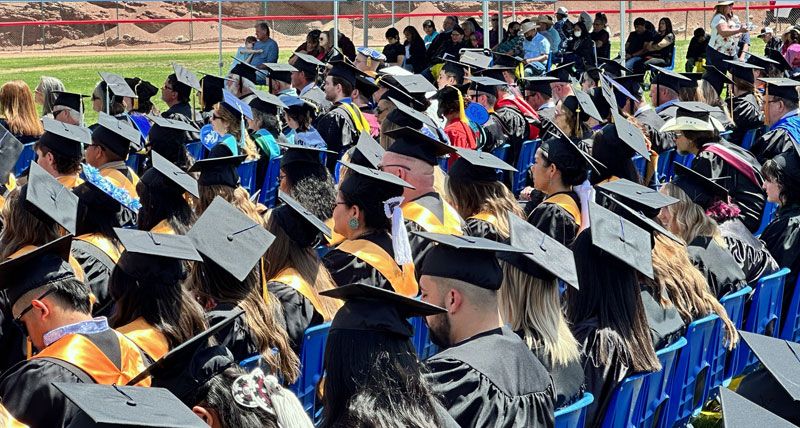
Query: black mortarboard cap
(477,166)
(613,68)
(177,125)
(668,78)
(383,177)
(565,154)
(49,200)
(64,139)
(617,92)
(154,257)
(295,153)
(739,412)
(629,134)
(345,71)
(540,84)
(412,94)
(547,258)
(369,308)
(280,71)
(604,100)
(368,153)
(615,204)
(631,82)
(246,71)
(782,87)
(113,406)
(506,60)
(218,170)
(563,73)
(115,134)
(487,84)
(229,238)
(178,176)
(185,76)
(266,102)
(36,268)
(778,57)
(495,72)
(144,89)
(716,78)
(307,63)
(300,224)
(413,143)
(581,104)
(117,86)
(465,258)
(694,79)
(640,198)
(700,189)
(211,89)
(743,70)
(455,68)
(70,99)
(416,116)
(761,61)
(622,239)
(366,86)
(788,162)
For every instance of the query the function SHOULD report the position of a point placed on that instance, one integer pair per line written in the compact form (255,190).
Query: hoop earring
(353,223)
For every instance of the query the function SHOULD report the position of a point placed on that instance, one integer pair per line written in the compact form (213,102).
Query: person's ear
(204,414)
(453,301)
(41,306)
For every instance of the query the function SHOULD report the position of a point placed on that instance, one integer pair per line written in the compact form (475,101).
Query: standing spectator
(561,17)
(312,45)
(725,35)
(743,47)
(435,48)
(18,112)
(268,48)
(394,51)
(45,93)
(635,45)
(697,49)
(536,49)
(601,37)
(660,50)
(494,38)
(770,41)
(791,48)
(430,32)
(415,50)
(546,29)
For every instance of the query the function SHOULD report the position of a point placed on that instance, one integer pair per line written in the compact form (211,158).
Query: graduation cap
(788,163)
(693,116)
(49,200)
(367,153)
(371,53)
(547,258)
(604,100)
(64,139)
(617,91)
(280,72)
(101,192)
(540,84)
(628,133)
(614,203)
(186,77)
(743,70)
(581,104)
(613,68)
(69,99)
(506,60)
(10,150)
(621,238)
(211,88)
(415,84)
(154,257)
(116,85)
(369,308)
(127,406)
(413,143)
(295,153)
(716,78)
(739,412)
(36,268)
(763,63)
(229,238)
(477,166)
(116,135)
(700,189)
(456,68)
(375,174)
(178,176)
(300,224)
(487,85)
(563,73)
(177,125)
(668,78)
(245,71)
(218,170)
(781,87)
(465,258)
(778,57)
(566,155)
(694,80)
(414,93)
(266,102)
(366,86)
(640,198)
(475,60)
(495,72)
(417,118)
(345,71)
(631,82)
(307,63)
(236,106)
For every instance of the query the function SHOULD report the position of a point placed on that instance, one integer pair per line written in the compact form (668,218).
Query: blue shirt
(428,39)
(554,38)
(537,47)
(269,53)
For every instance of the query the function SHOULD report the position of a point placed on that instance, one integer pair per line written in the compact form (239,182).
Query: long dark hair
(376,377)
(162,199)
(415,37)
(790,191)
(97,214)
(668,23)
(610,294)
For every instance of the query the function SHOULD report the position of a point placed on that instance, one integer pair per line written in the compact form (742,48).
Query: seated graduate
(161,194)
(230,278)
(219,177)
(747,103)
(305,178)
(265,129)
(479,196)
(375,250)
(571,118)
(607,314)
(372,375)
(102,206)
(735,168)
(530,303)
(782,184)
(781,116)
(53,308)
(169,138)
(151,308)
(299,118)
(295,275)
(614,146)
(60,151)
(112,139)
(486,375)
(688,220)
(228,120)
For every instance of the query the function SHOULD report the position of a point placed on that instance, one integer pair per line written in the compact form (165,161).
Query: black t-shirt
(636,41)
(392,51)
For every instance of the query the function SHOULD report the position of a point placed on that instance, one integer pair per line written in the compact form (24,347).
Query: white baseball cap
(765,31)
(562,11)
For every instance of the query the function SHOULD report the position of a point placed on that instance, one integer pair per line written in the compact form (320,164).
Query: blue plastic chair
(250,364)
(762,318)
(269,189)
(549,61)
(734,307)
(422,340)
(337,170)
(25,157)
(527,156)
(134,162)
(750,138)
(196,150)
(501,152)
(443,163)
(311,369)
(688,385)
(621,410)
(791,321)
(654,396)
(247,175)
(574,415)
(640,164)
(770,208)
(665,160)
(671,65)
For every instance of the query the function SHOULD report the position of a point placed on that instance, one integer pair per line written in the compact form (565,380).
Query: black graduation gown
(97,267)
(298,313)
(567,380)
(771,144)
(652,122)
(782,239)
(666,325)
(11,340)
(515,128)
(346,268)
(494,134)
(236,336)
(747,114)
(182,109)
(555,221)
(602,375)
(750,254)
(724,276)
(339,132)
(420,246)
(547,117)
(750,197)
(493,380)
(483,229)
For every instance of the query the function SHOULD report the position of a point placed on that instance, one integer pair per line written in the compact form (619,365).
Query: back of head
(21,227)
(614,154)
(47,85)
(470,197)
(19,109)
(69,294)
(689,220)
(162,199)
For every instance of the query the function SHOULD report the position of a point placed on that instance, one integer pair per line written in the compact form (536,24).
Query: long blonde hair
(471,197)
(19,109)
(234,128)
(689,219)
(236,196)
(686,286)
(533,305)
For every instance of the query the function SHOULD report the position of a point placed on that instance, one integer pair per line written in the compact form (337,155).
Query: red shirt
(460,135)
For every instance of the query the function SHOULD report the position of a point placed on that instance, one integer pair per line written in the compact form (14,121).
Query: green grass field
(79,73)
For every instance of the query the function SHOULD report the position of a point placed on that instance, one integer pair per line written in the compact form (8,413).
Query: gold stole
(163,227)
(402,280)
(120,180)
(70,181)
(103,243)
(568,204)
(292,278)
(425,218)
(145,336)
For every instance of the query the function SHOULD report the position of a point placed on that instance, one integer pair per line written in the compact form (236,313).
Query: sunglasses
(18,320)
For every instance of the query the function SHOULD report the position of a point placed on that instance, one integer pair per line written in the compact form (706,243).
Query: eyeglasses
(774,100)
(380,111)
(281,177)
(335,204)
(18,320)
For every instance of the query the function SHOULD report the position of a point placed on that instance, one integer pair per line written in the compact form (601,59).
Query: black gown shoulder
(749,252)
(782,239)
(298,313)
(97,268)
(346,268)
(652,122)
(515,127)
(236,336)
(771,144)
(747,114)
(666,325)
(337,129)
(493,380)
(567,379)
(494,135)
(724,276)
(483,229)
(555,221)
